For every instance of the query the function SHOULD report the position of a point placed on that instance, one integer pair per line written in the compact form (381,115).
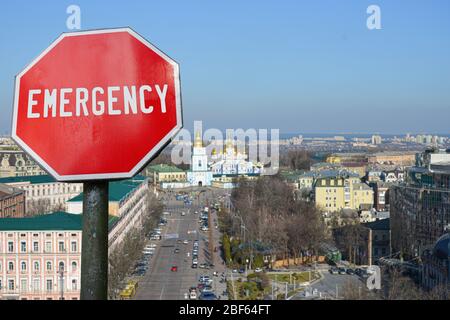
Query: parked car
(334,270)
(350,271)
(207,296)
(193,295)
(185,241)
(176,250)
(258,270)
(342,270)
(194,266)
(174,269)
(241,270)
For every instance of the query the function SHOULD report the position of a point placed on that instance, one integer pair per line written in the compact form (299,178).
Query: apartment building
(40,257)
(44,189)
(12,202)
(339,190)
(127,206)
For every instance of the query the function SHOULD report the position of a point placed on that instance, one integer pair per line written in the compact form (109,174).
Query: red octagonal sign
(97,105)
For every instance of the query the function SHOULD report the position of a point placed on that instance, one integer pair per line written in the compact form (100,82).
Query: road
(330,283)
(160,283)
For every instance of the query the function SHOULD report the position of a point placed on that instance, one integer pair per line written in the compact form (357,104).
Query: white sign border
(101,176)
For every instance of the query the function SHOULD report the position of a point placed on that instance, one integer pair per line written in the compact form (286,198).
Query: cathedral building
(199,175)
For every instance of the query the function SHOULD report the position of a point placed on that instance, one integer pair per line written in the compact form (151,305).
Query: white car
(185,241)
(183,213)
(193,295)
(258,270)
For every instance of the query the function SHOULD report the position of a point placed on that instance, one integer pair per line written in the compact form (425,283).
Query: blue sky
(300,66)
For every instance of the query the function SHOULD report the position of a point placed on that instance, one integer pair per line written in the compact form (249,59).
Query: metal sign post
(94,254)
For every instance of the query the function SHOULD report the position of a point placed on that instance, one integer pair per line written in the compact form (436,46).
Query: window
(23,285)
(10,266)
(23,266)
(10,246)
(61,246)
(49,266)
(35,246)
(49,285)
(11,284)
(74,266)
(48,246)
(37,284)
(74,284)
(23,246)
(73,246)
(61,266)
(36,266)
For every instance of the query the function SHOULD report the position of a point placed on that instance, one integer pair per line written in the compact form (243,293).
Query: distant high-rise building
(376,139)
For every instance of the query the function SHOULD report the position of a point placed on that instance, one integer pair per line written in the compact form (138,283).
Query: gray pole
(94,255)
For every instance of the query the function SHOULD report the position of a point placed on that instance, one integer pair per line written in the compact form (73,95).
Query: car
(205,228)
(193,289)
(241,270)
(174,269)
(207,289)
(203,278)
(258,270)
(235,271)
(202,266)
(195,252)
(193,295)
(183,213)
(207,282)
(194,266)
(152,245)
(207,296)
(185,241)
(342,270)
(176,250)
(350,271)
(334,270)
(194,260)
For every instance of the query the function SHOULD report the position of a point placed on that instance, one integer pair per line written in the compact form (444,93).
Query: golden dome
(198,140)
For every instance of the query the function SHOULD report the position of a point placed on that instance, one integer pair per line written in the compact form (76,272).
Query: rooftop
(164,168)
(118,190)
(6,191)
(54,221)
(383,224)
(30,179)
(57,221)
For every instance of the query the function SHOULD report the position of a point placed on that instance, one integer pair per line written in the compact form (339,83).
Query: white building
(40,257)
(232,162)
(200,174)
(127,206)
(44,188)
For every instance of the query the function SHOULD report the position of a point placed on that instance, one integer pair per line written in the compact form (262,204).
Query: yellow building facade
(337,193)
